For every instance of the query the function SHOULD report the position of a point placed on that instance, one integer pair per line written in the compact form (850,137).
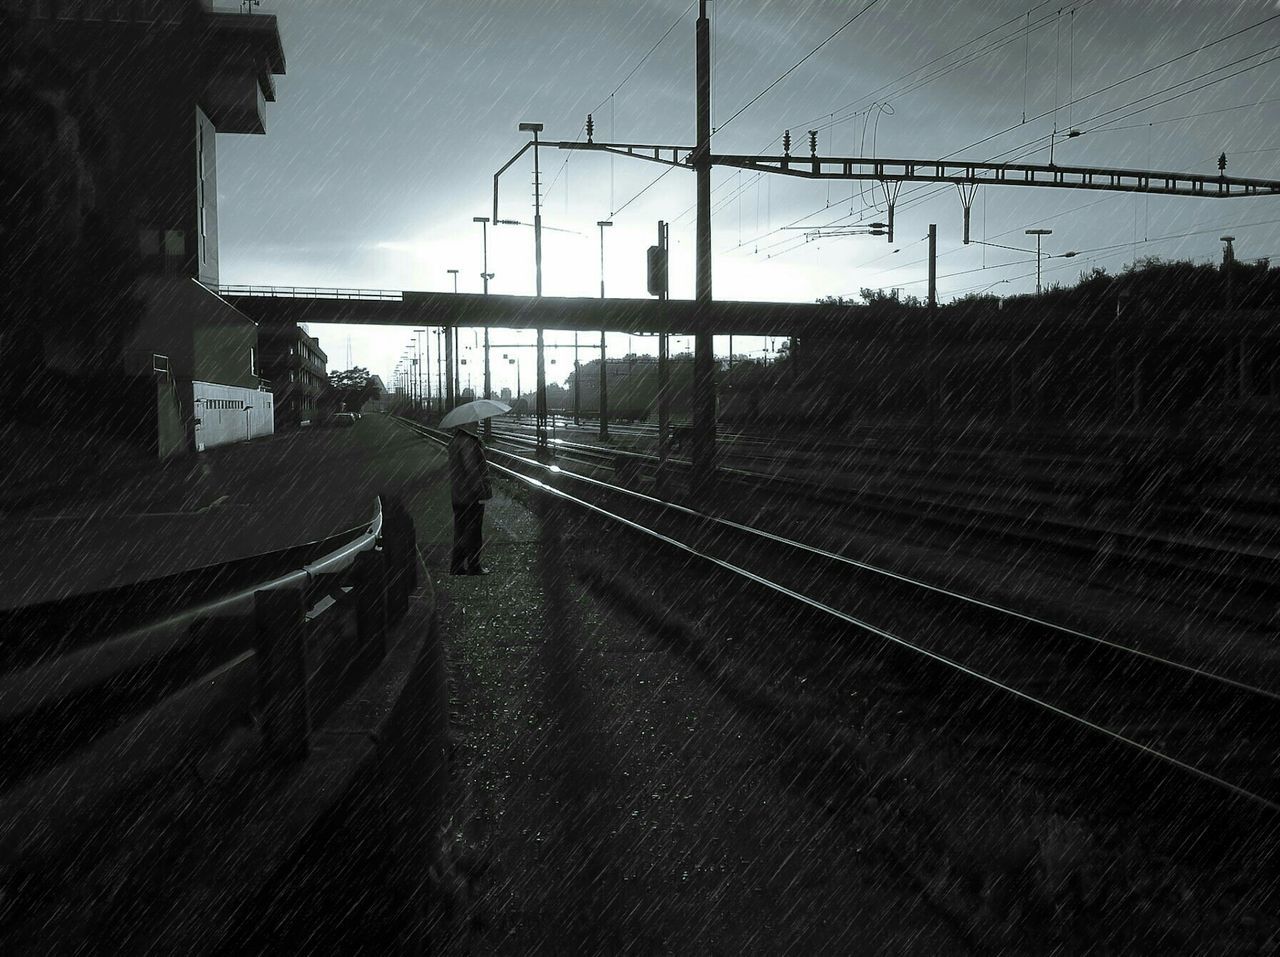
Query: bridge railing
(98,724)
(309,292)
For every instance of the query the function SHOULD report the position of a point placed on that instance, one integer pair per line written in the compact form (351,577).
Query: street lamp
(602,224)
(454,274)
(485,275)
(421,403)
(1228,255)
(1038,234)
(540,401)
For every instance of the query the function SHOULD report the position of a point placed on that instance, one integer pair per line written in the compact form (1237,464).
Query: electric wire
(797,64)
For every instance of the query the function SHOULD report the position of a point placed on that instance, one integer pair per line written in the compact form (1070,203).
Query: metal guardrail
(309,292)
(95,726)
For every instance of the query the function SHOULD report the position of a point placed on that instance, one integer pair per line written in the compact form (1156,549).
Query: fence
(91,730)
(310,292)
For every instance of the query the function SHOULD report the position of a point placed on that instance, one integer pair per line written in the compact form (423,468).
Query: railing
(309,292)
(87,731)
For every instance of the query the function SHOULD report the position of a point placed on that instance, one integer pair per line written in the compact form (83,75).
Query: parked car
(344,418)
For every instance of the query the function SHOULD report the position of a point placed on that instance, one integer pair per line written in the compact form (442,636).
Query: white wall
(221,416)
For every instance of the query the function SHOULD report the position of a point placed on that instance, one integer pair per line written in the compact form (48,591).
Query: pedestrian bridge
(387,307)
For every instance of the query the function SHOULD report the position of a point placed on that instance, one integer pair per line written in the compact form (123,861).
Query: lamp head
(479,219)
(530,127)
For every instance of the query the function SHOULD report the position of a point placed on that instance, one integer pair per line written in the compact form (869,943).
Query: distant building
(378,395)
(506,395)
(172,74)
(298,370)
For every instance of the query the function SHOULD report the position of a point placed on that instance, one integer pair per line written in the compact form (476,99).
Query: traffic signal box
(657,271)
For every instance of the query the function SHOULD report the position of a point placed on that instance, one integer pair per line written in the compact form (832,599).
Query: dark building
(298,370)
(139,91)
(175,73)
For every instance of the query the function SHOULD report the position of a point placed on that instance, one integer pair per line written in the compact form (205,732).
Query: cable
(674,24)
(1189,116)
(912,197)
(653,182)
(796,65)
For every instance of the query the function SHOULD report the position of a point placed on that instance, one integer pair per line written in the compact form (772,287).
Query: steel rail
(1050,707)
(47,683)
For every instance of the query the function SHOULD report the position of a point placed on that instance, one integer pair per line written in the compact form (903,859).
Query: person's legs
(474,537)
(458,556)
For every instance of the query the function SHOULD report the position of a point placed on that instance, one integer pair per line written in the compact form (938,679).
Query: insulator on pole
(786,142)
(813,142)
(591,128)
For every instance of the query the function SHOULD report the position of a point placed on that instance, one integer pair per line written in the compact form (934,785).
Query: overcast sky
(394,115)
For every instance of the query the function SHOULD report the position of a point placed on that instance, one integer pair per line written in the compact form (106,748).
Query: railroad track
(1028,479)
(1174,718)
(1234,569)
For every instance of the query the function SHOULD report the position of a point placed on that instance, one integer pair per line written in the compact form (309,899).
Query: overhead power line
(675,23)
(796,65)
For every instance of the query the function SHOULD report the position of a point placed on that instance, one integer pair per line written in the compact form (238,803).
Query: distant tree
(352,388)
(876,297)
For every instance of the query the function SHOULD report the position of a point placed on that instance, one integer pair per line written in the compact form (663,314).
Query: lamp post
(485,276)
(1039,234)
(440,370)
(421,396)
(540,400)
(451,354)
(604,371)
(1228,261)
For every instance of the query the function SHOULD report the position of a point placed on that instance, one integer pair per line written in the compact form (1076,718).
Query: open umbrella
(473,412)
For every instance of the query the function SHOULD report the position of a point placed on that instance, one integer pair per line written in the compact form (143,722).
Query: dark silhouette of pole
(428,370)
(442,348)
(664,378)
(704,382)
(540,399)
(932,399)
(485,276)
(604,363)
(1228,260)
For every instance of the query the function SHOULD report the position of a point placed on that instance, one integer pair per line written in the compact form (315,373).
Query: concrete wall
(206,222)
(221,416)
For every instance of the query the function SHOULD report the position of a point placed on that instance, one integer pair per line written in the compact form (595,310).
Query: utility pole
(540,399)
(932,400)
(933,266)
(485,276)
(704,380)
(664,377)
(604,360)
(427,372)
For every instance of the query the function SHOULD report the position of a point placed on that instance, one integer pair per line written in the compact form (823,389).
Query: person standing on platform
(470,489)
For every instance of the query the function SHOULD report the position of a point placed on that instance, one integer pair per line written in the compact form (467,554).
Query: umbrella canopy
(473,412)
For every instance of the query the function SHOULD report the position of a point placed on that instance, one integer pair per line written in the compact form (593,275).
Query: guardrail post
(370,573)
(400,548)
(281,615)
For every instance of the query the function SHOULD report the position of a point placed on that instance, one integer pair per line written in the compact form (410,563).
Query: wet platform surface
(607,800)
(227,503)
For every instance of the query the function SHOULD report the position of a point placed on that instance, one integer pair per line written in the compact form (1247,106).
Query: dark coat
(468,469)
